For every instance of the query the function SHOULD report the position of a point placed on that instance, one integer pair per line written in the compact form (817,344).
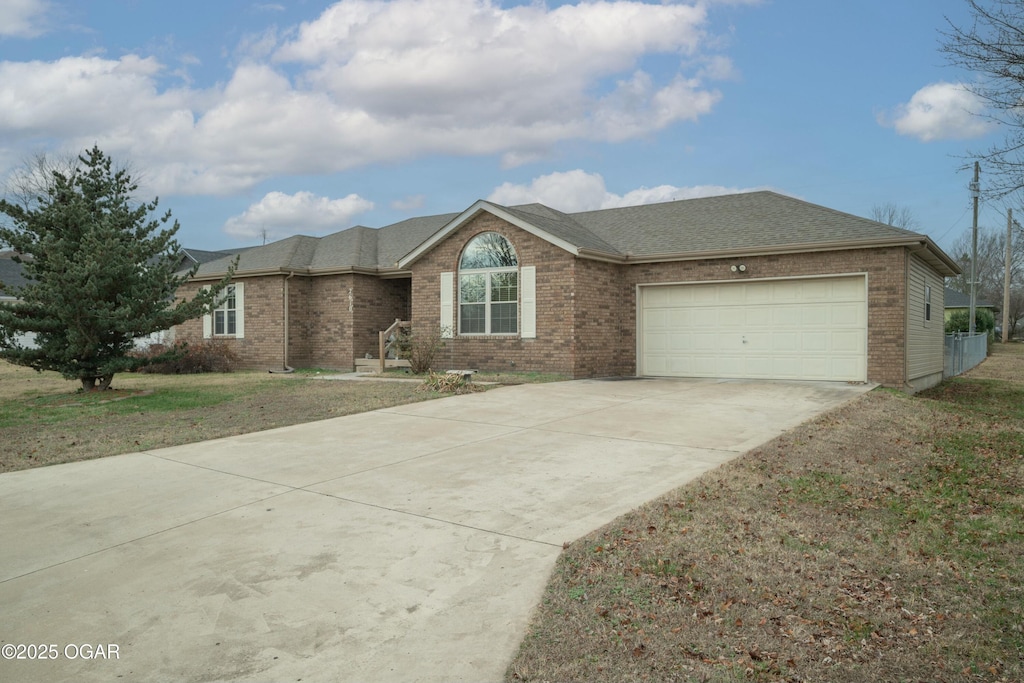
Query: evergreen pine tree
(101,272)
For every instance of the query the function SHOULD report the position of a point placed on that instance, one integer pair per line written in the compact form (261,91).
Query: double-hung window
(227,319)
(225,316)
(489,286)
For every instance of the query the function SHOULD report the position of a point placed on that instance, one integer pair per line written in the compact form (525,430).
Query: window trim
(927,302)
(209,324)
(488,303)
(225,314)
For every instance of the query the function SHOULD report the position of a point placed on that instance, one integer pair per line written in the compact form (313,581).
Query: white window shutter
(528,292)
(207,322)
(239,310)
(447,305)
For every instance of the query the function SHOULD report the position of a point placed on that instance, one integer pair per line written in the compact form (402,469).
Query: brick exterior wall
(554,348)
(332,319)
(263,345)
(605,320)
(886,269)
(586,310)
(375,305)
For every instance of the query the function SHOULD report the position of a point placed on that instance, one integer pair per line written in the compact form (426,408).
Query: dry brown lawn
(44,420)
(882,541)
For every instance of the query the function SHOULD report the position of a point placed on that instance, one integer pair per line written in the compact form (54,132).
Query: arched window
(488,286)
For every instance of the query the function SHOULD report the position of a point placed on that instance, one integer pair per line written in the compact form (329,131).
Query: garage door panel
(786,316)
(815,315)
(731,296)
(814,367)
(784,291)
(676,296)
(787,342)
(655,319)
(848,366)
(760,316)
(707,296)
(681,341)
(658,297)
(786,329)
(847,342)
(705,318)
(705,341)
(727,365)
(734,319)
(816,290)
(814,342)
(676,318)
(848,289)
(850,314)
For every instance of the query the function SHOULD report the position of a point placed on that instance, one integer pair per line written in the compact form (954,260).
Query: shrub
(453,383)
(186,359)
(419,348)
(960,321)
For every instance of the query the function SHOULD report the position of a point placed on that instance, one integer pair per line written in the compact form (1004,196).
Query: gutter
(306,272)
(922,243)
(287,368)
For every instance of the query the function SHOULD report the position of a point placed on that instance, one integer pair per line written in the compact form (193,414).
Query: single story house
(958,301)
(12,278)
(752,285)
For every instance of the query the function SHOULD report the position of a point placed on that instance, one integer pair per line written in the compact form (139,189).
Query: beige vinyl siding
(924,337)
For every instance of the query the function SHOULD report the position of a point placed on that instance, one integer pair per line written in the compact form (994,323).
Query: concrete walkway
(407,544)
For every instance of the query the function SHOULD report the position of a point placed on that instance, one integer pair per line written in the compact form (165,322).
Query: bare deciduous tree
(893,214)
(992,47)
(991,266)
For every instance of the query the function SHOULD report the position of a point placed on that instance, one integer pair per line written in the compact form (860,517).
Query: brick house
(754,285)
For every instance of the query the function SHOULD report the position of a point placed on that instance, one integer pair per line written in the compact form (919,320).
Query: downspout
(284,350)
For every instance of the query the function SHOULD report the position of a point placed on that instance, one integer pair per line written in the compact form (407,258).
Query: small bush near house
(449,383)
(419,349)
(210,356)
(960,321)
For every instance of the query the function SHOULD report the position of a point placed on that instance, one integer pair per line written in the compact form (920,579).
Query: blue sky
(307,117)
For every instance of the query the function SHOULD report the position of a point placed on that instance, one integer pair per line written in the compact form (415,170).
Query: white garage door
(772,329)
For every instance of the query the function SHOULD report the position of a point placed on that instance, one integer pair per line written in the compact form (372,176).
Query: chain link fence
(963,352)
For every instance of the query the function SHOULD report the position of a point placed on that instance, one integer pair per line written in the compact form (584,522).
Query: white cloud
(574,191)
(280,215)
(371,81)
(82,96)
(940,111)
(22,17)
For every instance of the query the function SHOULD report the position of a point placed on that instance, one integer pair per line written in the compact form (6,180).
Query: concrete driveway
(407,544)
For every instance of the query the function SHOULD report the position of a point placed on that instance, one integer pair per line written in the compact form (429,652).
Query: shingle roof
(358,247)
(752,220)
(955,299)
(745,223)
(204,256)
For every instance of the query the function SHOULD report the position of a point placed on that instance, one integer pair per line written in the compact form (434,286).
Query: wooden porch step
(373,364)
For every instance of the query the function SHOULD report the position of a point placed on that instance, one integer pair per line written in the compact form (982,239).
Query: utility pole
(1006,278)
(975,192)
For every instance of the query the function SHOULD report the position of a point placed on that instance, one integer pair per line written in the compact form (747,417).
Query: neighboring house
(754,285)
(957,301)
(12,277)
